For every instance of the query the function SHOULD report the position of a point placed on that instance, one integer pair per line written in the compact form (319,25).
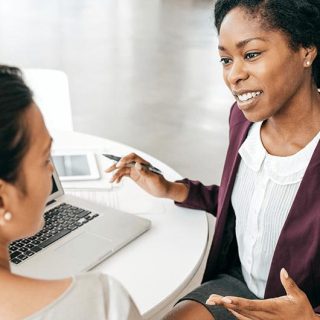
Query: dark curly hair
(15,99)
(298,19)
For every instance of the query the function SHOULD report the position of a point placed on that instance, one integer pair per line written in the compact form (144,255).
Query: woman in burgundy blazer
(298,248)
(269,52)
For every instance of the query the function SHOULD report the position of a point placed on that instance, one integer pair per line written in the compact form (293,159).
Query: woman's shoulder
(93,294)
(25,296)
(115,297)
(80,291)
(88,295)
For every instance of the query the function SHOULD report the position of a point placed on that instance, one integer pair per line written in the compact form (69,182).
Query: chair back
(51,94)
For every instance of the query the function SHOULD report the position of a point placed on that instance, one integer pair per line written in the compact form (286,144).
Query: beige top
(91,296)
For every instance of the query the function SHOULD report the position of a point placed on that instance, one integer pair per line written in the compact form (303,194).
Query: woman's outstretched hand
(151,182)
(294,305)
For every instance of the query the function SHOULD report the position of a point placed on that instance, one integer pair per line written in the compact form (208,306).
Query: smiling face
(267,77)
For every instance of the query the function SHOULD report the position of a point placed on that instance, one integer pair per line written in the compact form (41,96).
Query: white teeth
(249,95)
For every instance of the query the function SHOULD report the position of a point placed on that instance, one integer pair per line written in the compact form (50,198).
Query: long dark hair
(298,19)
(15,99)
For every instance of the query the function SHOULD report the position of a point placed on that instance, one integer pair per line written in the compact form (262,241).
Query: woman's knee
(188,310)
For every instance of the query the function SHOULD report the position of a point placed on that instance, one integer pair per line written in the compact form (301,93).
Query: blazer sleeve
(200,197)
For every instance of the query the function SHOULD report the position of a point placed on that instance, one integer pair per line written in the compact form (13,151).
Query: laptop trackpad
(83,251)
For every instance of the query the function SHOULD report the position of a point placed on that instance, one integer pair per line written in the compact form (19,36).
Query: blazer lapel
(299,238)
(238,135)
(222,236)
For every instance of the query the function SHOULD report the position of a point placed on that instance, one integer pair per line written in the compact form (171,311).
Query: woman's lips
(247,99)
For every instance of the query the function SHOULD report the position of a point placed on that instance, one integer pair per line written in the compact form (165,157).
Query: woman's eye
(225,61)
(251,55)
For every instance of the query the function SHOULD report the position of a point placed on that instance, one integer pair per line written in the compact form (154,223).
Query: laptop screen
(54,186)
(57,189)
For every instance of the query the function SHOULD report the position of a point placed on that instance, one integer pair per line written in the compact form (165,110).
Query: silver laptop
(76,237)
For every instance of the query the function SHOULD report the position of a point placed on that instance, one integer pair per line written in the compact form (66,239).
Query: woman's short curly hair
(298,19)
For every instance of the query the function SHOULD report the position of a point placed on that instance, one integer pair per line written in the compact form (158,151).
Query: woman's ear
(310,54)
(5,217)
(5,214)
(2,213)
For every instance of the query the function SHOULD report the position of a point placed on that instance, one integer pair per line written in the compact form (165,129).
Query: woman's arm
(186,193)
(200,196)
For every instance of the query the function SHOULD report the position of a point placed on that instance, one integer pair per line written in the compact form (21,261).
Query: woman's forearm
(177,191)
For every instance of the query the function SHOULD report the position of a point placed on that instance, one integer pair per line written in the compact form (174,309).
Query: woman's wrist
(177,191)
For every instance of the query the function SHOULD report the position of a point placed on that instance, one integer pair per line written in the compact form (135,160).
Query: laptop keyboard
(59,221)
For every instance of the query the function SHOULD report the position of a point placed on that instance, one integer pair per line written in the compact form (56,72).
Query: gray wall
(142,72)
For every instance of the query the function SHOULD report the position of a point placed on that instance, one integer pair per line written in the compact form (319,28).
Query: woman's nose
(236,73)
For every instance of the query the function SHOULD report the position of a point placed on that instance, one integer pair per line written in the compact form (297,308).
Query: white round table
(158,267)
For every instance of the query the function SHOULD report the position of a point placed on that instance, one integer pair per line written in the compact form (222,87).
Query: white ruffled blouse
(262,196)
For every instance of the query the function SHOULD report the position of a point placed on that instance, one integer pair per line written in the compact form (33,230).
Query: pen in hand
(132,164)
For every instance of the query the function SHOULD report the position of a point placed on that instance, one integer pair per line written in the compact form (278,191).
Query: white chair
(51,93)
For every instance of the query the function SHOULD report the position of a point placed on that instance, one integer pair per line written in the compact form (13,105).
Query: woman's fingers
(136,172)
(214,299)
(289,285)
(130,165)
(111,168)
(119,174)
(130,158)
(137,169)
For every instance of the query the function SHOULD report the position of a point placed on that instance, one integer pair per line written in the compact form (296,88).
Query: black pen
(132,164)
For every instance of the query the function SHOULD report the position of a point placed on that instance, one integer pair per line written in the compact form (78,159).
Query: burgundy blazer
(298,247)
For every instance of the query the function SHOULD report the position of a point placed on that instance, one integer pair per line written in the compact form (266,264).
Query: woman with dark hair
(268,203)
(25,184)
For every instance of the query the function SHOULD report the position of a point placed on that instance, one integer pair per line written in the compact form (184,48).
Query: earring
(7,216)
(308,63)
